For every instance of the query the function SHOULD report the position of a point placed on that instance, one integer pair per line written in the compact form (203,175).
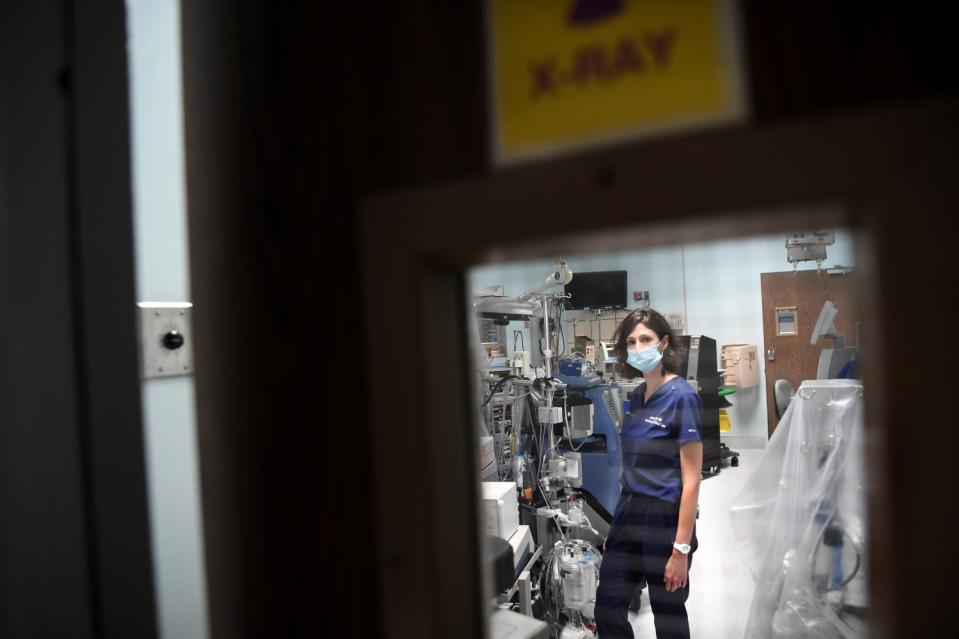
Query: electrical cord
(551,614)
(541,436)
(569,436)
(552,512)
(832,612)
(522,340)
(855,547)
(495,389)
(516,425)
(538,435)
(562,333)
(543,330)
(541,470)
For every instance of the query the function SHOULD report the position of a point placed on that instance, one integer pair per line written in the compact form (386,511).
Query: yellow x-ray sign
(570,74)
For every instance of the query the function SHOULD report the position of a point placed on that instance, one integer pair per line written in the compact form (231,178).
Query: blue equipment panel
(601,453)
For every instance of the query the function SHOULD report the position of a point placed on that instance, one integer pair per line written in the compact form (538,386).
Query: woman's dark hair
(673,356)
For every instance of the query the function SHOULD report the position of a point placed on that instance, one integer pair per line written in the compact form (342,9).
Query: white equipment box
(742,365)
(522,543)
(500,508)
(487,454)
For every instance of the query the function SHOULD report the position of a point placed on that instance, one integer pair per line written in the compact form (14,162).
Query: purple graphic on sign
(586,12)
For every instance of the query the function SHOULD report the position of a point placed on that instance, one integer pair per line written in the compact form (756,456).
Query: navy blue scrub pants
(640,542)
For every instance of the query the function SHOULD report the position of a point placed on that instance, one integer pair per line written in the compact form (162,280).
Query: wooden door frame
(417,245)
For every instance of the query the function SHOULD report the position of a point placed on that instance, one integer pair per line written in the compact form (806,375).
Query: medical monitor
(596,290)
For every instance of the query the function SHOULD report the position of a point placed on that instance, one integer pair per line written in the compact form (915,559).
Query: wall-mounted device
(805,246)
(166,335)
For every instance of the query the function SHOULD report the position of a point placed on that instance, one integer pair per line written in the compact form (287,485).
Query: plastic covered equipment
(801,520)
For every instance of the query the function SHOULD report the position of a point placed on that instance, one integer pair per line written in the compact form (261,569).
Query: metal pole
(551,451)
(548,351)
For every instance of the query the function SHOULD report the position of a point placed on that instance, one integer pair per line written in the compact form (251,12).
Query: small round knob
(173,340)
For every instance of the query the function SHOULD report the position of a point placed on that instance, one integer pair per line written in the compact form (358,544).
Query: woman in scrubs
(653,534)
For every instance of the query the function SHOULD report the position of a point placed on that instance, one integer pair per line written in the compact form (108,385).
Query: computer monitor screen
(596,290)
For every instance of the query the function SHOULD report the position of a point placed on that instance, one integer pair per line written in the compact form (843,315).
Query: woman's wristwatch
(683,548)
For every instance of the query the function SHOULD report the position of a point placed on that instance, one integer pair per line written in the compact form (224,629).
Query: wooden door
(792,357)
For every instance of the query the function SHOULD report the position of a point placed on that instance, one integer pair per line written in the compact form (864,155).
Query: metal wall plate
(166,334)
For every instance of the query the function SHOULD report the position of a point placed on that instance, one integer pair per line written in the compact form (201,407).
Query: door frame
(75,546)
(417,245)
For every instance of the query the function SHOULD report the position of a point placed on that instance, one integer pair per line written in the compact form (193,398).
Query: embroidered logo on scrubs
(655,421)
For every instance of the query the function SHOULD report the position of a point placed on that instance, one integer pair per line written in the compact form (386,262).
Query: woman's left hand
(677,571)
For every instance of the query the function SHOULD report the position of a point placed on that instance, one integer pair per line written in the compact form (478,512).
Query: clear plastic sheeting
(801,520)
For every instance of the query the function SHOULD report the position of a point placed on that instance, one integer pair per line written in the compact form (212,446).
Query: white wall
(723,298)
(163,275)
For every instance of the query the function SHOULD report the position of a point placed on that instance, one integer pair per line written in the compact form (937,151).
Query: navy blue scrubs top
(652,434)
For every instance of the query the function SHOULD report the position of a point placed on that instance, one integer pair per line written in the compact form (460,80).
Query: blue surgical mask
(645,360)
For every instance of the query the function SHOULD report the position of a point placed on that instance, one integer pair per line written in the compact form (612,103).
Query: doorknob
(771,354)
